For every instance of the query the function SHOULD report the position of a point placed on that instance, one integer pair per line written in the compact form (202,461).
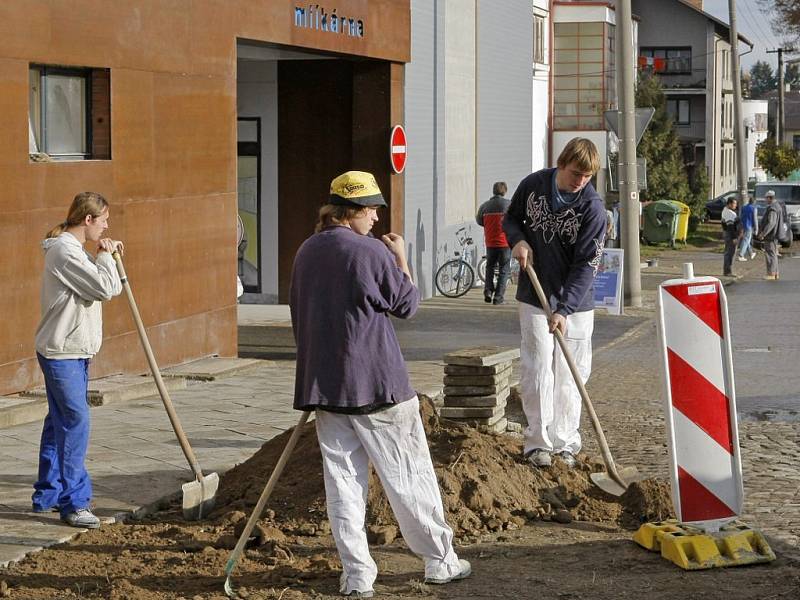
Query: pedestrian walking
(498,254)
(768,233)
(748,221)
(350,371)
(557,222)
(69,335)
(731,233)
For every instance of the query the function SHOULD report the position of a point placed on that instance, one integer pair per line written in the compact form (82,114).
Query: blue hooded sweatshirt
(567,244)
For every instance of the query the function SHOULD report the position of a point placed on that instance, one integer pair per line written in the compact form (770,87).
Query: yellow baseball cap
(356,188)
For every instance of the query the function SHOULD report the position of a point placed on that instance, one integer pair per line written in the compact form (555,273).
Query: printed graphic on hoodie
(565,223)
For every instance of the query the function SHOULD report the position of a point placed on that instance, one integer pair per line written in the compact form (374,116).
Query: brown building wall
(171,180)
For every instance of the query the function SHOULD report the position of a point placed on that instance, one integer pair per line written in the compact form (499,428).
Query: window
(539,39)
(679,110)
(581,64)
(796,142)
(671,61)
(69,113)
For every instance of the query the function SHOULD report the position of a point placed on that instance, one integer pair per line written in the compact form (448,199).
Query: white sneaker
(752,255)
(568,458)
(464,570)
(741,259)
(540,457)
(82,517)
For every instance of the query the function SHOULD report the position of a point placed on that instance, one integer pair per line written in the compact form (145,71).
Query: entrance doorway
(304,118)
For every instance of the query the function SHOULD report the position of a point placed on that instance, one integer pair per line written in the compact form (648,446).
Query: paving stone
(481,356)
(475,370)
(500,379)
(478,401)
(473,390)
(460,412)
(482,422)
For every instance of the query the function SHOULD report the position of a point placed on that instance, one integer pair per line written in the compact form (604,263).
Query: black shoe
(487,299)
(498,301)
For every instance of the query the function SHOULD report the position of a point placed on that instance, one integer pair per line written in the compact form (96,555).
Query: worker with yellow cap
(350,371)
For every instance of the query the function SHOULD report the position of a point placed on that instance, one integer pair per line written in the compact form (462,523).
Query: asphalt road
(765,335)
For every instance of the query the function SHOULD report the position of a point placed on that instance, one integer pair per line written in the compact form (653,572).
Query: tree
(785,16)
(778,160)
(792,76)
(666,175)
(762,79)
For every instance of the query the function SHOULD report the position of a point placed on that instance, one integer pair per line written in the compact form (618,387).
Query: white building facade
(754,116)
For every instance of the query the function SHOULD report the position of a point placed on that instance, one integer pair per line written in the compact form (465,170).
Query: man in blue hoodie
(557,222)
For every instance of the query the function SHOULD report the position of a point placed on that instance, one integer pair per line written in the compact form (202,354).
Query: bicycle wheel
(482,270)
(454,278)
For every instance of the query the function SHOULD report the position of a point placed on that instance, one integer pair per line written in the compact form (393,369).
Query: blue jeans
(745,246)
(63,480)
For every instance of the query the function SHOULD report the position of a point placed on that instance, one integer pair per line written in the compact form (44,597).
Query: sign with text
(608,282)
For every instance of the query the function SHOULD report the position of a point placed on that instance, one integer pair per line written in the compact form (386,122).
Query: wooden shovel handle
(587,403)
(262,500)
(151,360)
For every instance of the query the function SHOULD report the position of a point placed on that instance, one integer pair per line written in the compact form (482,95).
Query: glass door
(249,194)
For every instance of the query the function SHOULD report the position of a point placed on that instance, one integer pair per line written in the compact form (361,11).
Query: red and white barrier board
(700,398)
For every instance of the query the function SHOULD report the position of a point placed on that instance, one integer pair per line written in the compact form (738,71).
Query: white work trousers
(550,398)
(394,441)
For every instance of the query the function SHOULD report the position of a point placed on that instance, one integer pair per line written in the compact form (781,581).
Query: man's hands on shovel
(523,253)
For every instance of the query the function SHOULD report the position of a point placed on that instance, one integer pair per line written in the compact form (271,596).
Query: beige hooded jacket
(73,286)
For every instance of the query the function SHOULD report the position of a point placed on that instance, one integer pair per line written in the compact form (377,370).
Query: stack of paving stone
(476,386)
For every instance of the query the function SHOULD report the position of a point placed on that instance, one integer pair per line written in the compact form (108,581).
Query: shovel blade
(199,496)
(606,483)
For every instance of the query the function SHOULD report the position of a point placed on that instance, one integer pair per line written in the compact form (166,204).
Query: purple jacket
(344,287)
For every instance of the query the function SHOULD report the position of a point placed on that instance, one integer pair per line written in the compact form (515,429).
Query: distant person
(557,224)
(69,335)
(611,229)
(768,233)
(748,220)
(731,233)
(498,254)
(350,371)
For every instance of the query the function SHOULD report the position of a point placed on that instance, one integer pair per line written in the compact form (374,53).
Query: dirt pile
(486,485)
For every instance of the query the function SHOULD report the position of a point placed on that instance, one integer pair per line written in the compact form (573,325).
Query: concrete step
(17,410)
(213,368)
(119,388)
(273,341)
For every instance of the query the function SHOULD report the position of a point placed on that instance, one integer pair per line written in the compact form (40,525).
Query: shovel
(198,495)
(614,482)
(262,501)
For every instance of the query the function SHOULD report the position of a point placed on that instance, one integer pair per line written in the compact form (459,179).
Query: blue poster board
(608,282)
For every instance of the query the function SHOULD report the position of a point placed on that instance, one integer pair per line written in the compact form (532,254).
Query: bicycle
(456,277)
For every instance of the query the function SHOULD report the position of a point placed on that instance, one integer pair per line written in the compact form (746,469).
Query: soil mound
(486,485)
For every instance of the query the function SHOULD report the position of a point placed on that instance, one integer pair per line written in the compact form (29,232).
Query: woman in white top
(69,335)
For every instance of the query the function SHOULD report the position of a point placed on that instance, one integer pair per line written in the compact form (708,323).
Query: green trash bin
(682,228)
(660,222)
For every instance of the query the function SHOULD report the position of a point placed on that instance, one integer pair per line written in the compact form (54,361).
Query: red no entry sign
(397,148)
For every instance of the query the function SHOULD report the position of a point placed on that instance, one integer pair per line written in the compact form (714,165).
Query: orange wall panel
(172,177)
